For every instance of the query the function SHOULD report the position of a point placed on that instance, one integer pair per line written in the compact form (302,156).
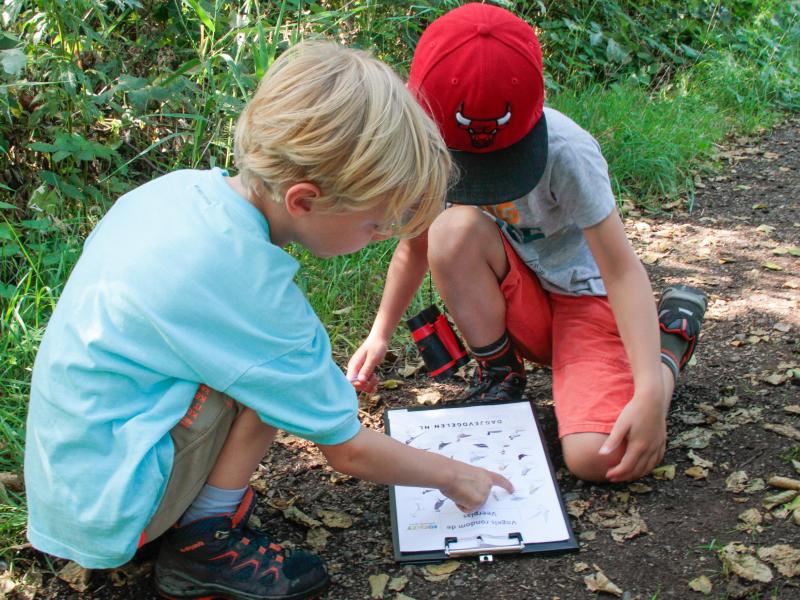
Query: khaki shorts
(198,439)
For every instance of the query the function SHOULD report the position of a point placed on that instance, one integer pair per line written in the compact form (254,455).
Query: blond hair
(345,121)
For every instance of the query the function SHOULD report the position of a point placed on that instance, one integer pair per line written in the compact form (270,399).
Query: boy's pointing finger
(502,482)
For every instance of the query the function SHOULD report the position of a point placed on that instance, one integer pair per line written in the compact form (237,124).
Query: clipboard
(502,436)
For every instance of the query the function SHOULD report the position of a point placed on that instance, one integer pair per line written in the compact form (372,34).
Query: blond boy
(181,343)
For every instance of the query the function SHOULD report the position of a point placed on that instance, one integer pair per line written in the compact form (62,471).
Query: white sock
(211,502)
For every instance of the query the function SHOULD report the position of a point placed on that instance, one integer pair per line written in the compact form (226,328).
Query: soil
(734,242)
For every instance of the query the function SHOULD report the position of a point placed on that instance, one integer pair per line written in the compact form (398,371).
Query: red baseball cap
(477,70)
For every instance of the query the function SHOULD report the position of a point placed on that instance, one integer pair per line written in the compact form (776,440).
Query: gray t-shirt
(574,193)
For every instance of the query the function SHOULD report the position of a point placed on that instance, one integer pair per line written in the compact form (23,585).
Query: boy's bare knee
(459,233)
(583,459)
(454,226)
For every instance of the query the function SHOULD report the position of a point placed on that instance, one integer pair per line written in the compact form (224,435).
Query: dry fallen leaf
(783,557)
(664,473)
(445,568)
(368,401)
(737,559)
(440,572)
(576,508)
(317,538)
(580,567)
(377,585)
(637,487)
(129,572)
(332,518)
(782,327)
(784,430)
(701,584)
(752,516)
(774,500)
(431,397)
(697,438)
(696,472)
(411,369)
(337,477)
(623,526)
(698,461)
(600,583)
(398,584)
(772,266)
(76,576)
(778,378)
(296,515)
(650,258)
(736,482)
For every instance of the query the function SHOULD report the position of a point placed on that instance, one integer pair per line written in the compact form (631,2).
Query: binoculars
(439,346)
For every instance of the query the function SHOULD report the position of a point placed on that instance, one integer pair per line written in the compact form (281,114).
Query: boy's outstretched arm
(642,423)
(379,458)
(406,270)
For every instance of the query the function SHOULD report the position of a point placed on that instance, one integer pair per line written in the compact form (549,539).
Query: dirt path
(735,419)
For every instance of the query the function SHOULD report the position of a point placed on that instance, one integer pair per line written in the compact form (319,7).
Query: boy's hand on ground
(642,426)
(471,486)
(361,367)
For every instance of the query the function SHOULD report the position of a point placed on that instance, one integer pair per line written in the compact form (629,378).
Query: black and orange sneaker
(495,384)
(680,317)
(223,557)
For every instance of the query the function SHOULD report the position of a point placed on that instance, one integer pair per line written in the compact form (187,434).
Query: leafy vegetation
(97,97)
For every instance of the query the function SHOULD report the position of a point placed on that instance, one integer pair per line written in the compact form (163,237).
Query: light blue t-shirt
(178,285)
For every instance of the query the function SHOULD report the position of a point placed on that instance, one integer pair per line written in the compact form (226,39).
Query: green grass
(113,95)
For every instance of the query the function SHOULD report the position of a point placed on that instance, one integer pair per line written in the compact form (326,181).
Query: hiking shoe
(680,313)
(222,557)
(495,384)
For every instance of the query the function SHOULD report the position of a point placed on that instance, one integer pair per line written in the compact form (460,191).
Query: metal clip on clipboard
(484,545)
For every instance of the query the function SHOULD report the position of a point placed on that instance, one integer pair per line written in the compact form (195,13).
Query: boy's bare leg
(581,450)
(245,447)
(468,261)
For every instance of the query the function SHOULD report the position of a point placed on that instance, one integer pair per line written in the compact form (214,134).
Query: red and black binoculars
(439,346)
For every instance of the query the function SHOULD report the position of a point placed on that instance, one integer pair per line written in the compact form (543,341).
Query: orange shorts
(577,337)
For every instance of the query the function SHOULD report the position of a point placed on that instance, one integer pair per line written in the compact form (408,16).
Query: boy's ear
(299,198)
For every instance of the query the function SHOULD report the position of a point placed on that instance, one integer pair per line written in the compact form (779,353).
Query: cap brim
(502,175)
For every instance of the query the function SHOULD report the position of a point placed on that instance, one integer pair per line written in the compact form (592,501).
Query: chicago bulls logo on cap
(477,70)
(482,131)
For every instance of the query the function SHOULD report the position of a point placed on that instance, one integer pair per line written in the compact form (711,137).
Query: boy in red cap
(544,271)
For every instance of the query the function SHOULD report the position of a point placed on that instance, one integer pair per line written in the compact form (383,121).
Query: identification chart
(499,437)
